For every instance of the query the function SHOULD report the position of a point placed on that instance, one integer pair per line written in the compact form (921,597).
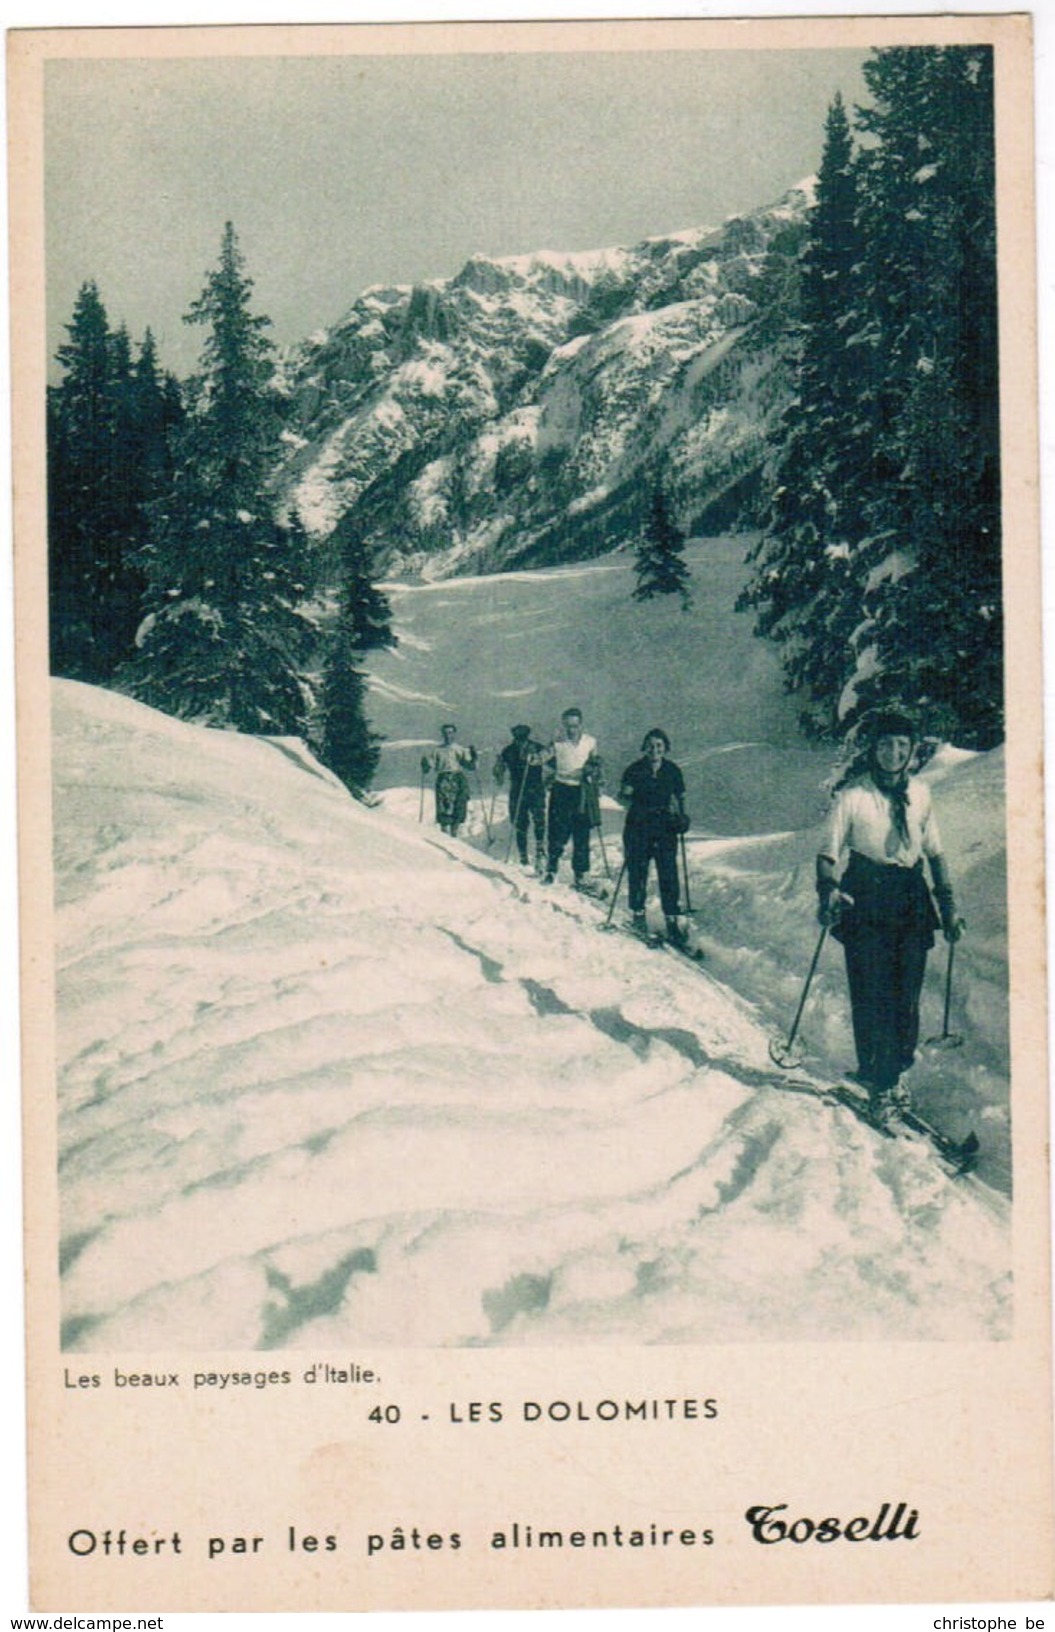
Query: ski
(595,891)
(963,1154)
(657,942)
(960,1155)
(647,937)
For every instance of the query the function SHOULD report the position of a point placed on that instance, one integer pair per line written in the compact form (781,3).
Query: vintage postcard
(529,720)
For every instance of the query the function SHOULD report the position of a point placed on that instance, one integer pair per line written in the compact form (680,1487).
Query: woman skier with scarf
(880,907)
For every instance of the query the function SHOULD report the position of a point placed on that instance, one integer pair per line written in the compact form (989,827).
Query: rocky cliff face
(523,411)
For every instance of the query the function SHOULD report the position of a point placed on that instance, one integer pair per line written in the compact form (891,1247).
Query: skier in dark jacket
(450,761)
(522,759)
(879,906)
(653,790)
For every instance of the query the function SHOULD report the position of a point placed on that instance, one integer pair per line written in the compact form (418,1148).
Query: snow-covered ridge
(520,411)
(326,1079)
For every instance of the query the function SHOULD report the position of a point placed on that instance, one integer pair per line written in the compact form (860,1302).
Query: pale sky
(343,172)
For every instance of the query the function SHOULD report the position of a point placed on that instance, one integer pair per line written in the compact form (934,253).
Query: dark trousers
(568,819)
(885,975)
(642,845)
(886,937)
(528,805)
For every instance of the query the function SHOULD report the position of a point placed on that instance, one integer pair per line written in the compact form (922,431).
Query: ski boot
(676,933)
(885,1106)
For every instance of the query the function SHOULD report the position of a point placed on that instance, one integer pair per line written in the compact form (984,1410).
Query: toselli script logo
(891,1523)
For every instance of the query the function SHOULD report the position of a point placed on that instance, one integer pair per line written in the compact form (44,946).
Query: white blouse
(862,819)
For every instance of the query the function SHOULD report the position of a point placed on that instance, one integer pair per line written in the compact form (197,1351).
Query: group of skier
(554,797)
(872,893)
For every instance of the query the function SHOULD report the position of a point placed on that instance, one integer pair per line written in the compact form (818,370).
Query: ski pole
(516,813)
(591,804)
(685,870)
(615,895)
(483,803)
(547,801)
(781,1052)
(948,1039)
(604,852)
(421,800)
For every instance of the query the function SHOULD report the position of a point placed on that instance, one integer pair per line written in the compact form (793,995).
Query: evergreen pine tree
(225,637)
(157,411)
(108,424)
(82,459)
(118,584)
(880,569)
(659,559)
(933,596)
(803,582)
(364,624)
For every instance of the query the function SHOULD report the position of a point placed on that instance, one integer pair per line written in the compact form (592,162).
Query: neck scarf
(896,790)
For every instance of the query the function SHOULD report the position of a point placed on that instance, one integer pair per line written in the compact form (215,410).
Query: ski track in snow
(326,1077)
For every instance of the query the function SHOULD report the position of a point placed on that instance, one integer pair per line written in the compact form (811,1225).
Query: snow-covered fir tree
(226,636)
(880,569)
(659,559)
(802,585)
(157,410)
(931,560)
(80,437)
(364,624)
(107,427)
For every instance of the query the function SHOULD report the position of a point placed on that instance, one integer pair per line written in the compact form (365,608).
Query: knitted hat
(892,722)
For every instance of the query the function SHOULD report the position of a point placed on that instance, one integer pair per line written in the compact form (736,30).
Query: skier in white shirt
(880,908)
(573,807)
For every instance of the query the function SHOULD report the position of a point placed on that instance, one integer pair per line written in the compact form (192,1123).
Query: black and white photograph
(343,1051)
(533,755)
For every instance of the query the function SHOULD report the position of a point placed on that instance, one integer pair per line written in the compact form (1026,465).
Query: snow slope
(325,1077)
(491,651)
(521,646)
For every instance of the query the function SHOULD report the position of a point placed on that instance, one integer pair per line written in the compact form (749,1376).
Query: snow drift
(325,1077)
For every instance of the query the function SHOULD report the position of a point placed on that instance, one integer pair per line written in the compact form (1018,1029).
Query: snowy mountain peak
(549,270)
(556,378)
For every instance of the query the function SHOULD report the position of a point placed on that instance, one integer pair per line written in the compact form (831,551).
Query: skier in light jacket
(882,821)
(450,761)
(573,801)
